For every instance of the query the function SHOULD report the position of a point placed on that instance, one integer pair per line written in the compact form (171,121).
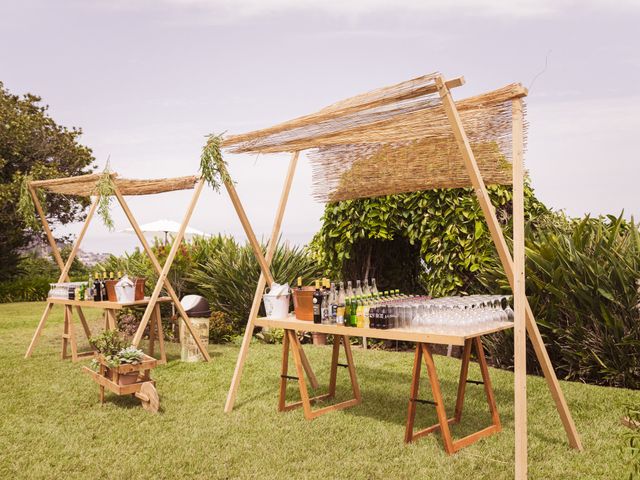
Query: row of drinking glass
(445,313)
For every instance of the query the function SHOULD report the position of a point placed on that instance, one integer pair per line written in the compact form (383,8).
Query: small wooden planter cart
(128,380)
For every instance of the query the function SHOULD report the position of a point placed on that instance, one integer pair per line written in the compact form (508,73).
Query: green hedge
(26,289)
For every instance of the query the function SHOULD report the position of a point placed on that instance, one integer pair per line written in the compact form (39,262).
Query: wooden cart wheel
(149,397)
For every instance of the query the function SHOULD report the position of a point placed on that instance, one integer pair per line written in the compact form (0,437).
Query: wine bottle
(97,288)
(374,289)
(366,290)
(349,289)
(317,304)
(341,305)
(333,304)
(103,287)
(358,291)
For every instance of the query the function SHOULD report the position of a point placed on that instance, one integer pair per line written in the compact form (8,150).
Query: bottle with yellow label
(360,313)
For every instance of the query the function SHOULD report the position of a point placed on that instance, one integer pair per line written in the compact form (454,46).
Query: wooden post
(163,271)
(76,245)
(257,297)
(47,230)
(65,266)
(262,261)
(54,250)
(506,259)
(519,297)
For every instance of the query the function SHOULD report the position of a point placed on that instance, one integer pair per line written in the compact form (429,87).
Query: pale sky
(147,80)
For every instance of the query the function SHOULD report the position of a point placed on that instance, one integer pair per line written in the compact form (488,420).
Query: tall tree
(32,143)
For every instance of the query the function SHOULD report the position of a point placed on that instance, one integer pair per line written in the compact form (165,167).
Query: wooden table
(110,311)
(468,339)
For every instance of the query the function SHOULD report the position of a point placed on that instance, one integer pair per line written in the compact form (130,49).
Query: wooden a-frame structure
(447,115)
(85,185)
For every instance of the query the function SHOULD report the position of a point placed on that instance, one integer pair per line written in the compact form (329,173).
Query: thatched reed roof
(85,185)
(395,139)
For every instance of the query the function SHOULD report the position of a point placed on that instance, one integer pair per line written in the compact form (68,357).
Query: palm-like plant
(581,283)
(228,278)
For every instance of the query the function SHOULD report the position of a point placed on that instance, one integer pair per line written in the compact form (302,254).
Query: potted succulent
(113,352)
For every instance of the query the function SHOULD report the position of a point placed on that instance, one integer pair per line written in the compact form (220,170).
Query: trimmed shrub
(220,328)
(25,289)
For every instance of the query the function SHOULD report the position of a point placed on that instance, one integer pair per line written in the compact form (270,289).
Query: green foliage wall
(446,227)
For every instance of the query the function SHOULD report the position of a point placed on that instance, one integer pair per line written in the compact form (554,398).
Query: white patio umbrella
(166,227)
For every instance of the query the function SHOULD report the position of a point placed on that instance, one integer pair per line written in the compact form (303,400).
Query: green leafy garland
(26,208)
(213,168)
(105,190)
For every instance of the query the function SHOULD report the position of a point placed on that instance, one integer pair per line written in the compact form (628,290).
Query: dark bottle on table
(379,316)
(384,321)
(97,289)
(103,287)
(373,317)
(317,304)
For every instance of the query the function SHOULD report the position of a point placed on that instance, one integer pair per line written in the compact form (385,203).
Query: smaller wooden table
(110,311)
(468,338)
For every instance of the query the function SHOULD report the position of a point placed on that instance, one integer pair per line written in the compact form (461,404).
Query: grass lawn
(52,426)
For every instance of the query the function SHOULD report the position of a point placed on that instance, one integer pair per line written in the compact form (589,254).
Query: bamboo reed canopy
(394,139)
(85,185)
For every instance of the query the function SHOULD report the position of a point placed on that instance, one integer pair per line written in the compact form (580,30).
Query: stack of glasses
(443,315)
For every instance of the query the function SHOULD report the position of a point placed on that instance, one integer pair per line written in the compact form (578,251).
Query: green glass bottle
(353,313)
(347,312)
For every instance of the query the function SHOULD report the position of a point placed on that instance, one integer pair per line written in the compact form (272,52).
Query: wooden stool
(450,446)
(291,341)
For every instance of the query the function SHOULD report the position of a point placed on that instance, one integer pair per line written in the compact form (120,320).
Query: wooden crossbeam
(257,297)
(451,446)
(64,269)
(511,273)
(292,343)
(246,225)
(163,271)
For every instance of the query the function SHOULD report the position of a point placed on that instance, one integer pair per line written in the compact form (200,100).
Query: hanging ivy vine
(213,168)
(26,208)
(104,189)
